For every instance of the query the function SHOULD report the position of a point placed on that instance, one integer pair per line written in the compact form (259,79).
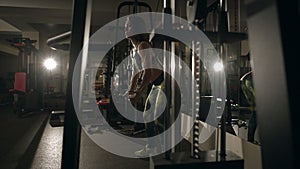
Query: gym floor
(19,135)
(48,153)
(31,142)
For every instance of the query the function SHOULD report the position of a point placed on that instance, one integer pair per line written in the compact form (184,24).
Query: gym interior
(230,81)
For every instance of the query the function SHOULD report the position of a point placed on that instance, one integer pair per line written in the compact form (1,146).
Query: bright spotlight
(218,66)
(50,63)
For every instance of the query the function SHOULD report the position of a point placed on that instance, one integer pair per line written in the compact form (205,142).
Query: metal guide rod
(72,129)
(167,47)
(223,27)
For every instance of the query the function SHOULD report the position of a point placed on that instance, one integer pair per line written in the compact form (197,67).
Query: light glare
(50,63)
(218,66)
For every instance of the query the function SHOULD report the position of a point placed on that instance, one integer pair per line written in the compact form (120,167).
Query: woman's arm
(133,83)
(149,75)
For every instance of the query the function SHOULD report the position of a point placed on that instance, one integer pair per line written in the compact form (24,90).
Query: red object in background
(103,102)
(51,89)
(20,82)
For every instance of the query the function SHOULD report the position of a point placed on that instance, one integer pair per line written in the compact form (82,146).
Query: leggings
(154,108)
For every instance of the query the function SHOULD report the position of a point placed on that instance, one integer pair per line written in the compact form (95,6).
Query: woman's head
(134,25)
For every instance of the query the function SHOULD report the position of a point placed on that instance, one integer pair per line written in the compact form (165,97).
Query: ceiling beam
(49,4)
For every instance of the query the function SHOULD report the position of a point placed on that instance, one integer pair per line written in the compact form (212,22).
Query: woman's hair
(138,25)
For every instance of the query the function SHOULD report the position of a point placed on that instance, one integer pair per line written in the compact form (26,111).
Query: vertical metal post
(224,115)
(167,47)
(61,75)
(23,68)
(177,101)
(168,93)
(196,68)
(72,129)
(35,69)
(226,120)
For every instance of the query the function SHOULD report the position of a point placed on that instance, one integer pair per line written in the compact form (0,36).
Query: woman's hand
(133,97)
